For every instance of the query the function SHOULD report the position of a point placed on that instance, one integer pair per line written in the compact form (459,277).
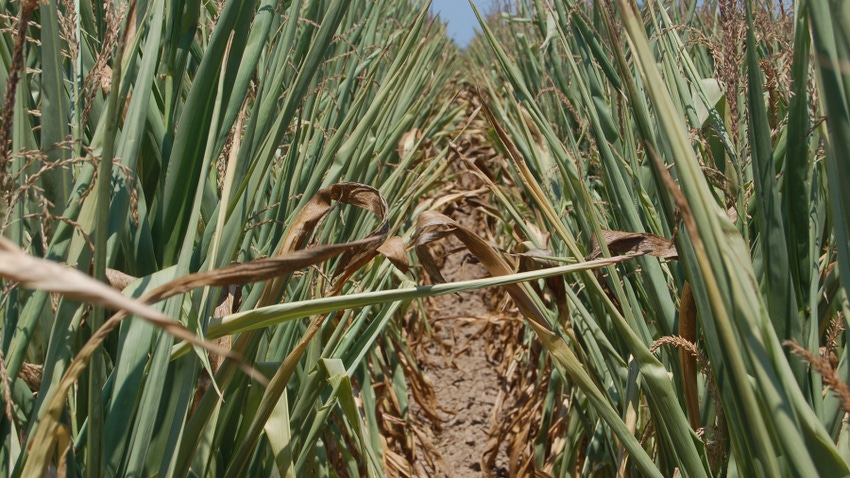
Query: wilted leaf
(688,331)
(620,242)
(357,253)
(34,273)
(431,226)
(394,250)
(408,141)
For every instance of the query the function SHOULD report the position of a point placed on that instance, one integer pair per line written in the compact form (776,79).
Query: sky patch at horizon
(459,17)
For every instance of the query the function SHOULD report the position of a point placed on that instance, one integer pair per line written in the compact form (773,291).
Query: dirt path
(466,381)
(460,360)
(467,349)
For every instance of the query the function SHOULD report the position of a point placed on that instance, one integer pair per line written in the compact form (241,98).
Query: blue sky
(458,14)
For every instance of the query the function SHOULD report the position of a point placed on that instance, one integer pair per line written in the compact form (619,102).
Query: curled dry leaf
(357,253)
(432,226)
(408,142)
(255,271)
(394,250)
(620,242)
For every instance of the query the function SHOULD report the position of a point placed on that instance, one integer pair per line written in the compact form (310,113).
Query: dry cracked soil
(466,381)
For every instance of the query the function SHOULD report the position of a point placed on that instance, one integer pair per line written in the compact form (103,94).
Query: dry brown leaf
(254,271)
(408,141)
(394,250)
(432,226)
(34,273)
(356,254)
(620,242)
(117,279)
(688,331)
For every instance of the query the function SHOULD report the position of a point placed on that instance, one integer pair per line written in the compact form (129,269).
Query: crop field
(317,238)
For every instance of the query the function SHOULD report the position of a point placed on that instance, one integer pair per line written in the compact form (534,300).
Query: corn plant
(187,152)
(701,123)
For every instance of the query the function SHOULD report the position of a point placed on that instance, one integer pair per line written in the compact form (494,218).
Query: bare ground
(465,378)
(467,351)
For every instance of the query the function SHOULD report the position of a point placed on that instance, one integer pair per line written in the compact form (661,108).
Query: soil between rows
(466,381)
